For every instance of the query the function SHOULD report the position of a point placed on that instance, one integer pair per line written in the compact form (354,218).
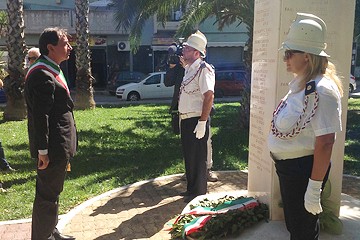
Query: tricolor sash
(51,68)
(238,204)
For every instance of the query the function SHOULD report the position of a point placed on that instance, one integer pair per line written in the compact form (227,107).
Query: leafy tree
(14,83)
(357,21)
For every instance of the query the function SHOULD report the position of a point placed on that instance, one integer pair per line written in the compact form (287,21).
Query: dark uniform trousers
(49,185)
(3,163)
(195,155)
(294,176)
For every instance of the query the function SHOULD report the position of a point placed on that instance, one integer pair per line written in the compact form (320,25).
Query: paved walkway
(140,210)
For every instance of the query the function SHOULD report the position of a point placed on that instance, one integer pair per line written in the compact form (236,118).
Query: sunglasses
(32,58)
(289,53)
(188,49)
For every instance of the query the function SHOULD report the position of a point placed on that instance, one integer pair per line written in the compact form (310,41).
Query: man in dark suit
(52,131)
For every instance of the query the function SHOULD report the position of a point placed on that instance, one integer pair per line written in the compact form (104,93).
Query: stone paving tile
(142,211)
(136,214)
(351,186)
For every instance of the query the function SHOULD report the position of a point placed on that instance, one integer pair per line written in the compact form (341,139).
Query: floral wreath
(218,218)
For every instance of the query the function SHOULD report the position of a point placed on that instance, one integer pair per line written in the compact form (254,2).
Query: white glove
(312,197)
(200,129)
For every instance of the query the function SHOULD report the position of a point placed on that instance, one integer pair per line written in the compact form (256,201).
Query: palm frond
(131,15)
(194,15)
(136,30)
(126,11)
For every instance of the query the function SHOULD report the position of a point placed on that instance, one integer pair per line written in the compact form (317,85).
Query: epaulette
(204,64)
(310,88)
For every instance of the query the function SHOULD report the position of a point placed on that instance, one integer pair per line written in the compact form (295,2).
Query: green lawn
(352,142)
(122,145)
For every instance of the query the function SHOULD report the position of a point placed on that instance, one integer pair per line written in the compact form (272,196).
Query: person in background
(304,125)
(196,98)
(174,76)
(51,128)
(32,55)
(4,165)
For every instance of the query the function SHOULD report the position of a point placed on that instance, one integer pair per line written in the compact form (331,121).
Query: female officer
(304,125)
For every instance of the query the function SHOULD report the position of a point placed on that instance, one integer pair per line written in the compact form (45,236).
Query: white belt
(189,115)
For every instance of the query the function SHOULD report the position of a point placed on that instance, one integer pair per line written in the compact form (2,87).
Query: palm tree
(84,79)
(131,16)
(14,83)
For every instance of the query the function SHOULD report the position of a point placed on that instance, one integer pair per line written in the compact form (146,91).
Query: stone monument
(272,19)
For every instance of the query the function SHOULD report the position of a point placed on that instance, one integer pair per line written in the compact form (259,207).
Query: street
(103,97)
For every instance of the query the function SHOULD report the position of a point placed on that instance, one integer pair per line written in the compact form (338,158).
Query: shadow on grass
(129,155)
(110,155)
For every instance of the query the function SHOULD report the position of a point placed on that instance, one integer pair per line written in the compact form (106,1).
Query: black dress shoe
(58,236)
(186,193)
(183,177)
(188,198)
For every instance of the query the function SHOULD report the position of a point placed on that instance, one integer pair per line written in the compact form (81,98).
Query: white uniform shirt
(198,79)
(327,119)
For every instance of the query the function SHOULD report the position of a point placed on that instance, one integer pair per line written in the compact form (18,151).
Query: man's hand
(200,129)
(312,197)
(182,61)
(43,161)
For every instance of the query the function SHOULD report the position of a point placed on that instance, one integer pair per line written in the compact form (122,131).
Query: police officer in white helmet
(304,125)
(195,103)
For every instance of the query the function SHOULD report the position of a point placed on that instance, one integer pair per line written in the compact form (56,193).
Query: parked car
(2,96)
(352,84)
(121,78)
(151,86)
(230,82)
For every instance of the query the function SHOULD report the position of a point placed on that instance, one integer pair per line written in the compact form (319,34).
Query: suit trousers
(294,176)
(3,163)
(195,155)
(49,185)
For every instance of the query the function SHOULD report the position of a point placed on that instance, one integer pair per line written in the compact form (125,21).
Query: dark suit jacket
(51,122)
(174,77)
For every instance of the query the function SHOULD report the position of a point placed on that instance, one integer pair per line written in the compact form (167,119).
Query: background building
(110,48)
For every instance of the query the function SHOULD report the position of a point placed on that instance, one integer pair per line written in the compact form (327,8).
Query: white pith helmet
(198,41)
(307,33)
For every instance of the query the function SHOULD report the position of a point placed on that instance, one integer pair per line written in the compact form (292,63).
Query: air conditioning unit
(123,46)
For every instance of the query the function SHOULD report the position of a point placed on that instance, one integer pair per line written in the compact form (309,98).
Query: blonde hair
(321,65)
(35,51)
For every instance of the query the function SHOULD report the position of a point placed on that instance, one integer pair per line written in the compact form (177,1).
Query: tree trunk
(14,83)
(84,80)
